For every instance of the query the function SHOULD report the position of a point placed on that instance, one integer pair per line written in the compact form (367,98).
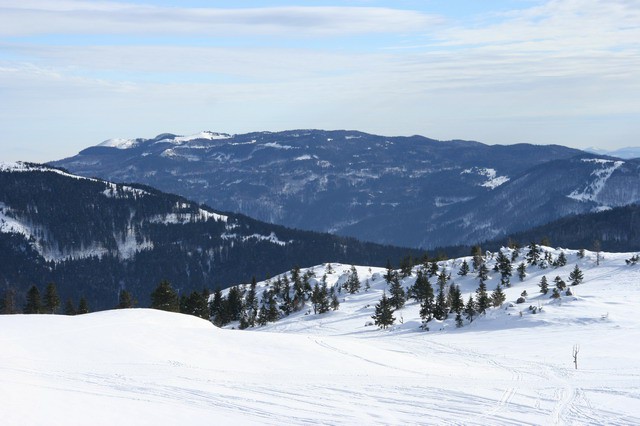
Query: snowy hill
(135,367)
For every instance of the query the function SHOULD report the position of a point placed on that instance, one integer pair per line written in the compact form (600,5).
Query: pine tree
(33,304)
(353,282)
(459,322)
(317,298)
(422,289)
(455,295)
(251,303)
(498,297)
(464,269)
(483,272)
(562,259)
(556,293)
(388,276)
(482,298)
(124,300)
(165,298)
(51,300)
(234,304)
(433,269)
(470,309)
(576,276)
(544,285)
(335,303)
(406,266)
(272,308)
(560,284)
(83,306)
(478,259)
(69,309)
(287,303)
(533,255)
(397,298)
(522,271)
(216,308)
(505,268)
(440,310)
(383,316)
(8,305)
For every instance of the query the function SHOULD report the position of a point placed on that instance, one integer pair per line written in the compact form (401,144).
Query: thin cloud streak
(70,17)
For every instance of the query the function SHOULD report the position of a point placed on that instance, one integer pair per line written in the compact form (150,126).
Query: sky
(75,73)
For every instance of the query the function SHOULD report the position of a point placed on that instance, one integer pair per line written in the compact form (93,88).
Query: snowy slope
(150,367)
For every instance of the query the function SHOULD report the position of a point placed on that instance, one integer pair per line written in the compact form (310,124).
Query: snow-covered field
(150,367)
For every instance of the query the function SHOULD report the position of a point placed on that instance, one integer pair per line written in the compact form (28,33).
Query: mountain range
(93,238)
(406,191)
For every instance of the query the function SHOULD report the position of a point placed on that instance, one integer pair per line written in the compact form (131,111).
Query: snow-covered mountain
(626,153)
(357,184)
(94,237)
(511,366)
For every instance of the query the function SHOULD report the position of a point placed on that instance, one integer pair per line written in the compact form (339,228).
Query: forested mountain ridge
(94,238)
(357,184)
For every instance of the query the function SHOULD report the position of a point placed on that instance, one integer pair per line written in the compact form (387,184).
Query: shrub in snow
(521,300)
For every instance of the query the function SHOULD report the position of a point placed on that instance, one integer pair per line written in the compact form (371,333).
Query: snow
(202,135)
(493,180)
(271,238)
(276,145)
(120,143)
(140,366)
(600,177)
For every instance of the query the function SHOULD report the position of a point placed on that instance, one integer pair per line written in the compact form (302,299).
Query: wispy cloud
(562,71)
(33,17)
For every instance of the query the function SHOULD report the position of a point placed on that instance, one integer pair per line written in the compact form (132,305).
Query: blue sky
(74,73)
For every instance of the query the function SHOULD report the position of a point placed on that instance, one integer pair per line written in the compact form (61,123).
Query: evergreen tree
(8,305)
(234,304)
(456,301)
(556,293)
(33,304)
(433,269)
(498,297)
(69,309)
(353,282)
(522,271)
(478,259)
(195,304)
(318,299)
(124,300)
(272,308)
(482,298)
(544,285)
(367,285)
(216,308)
(263,314)
(422,289)
(406,266)
(287,302)
(335,303)
(165,298)
(388,276)
(470,309)
(576,276)
(83,306)
(464,269)
(383,316)
(398,296)
(51,300)
(251,303)
(505,268)
(483,272)
(440,310)
(562,259)
(459,322)
(533,255)
(560,284)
